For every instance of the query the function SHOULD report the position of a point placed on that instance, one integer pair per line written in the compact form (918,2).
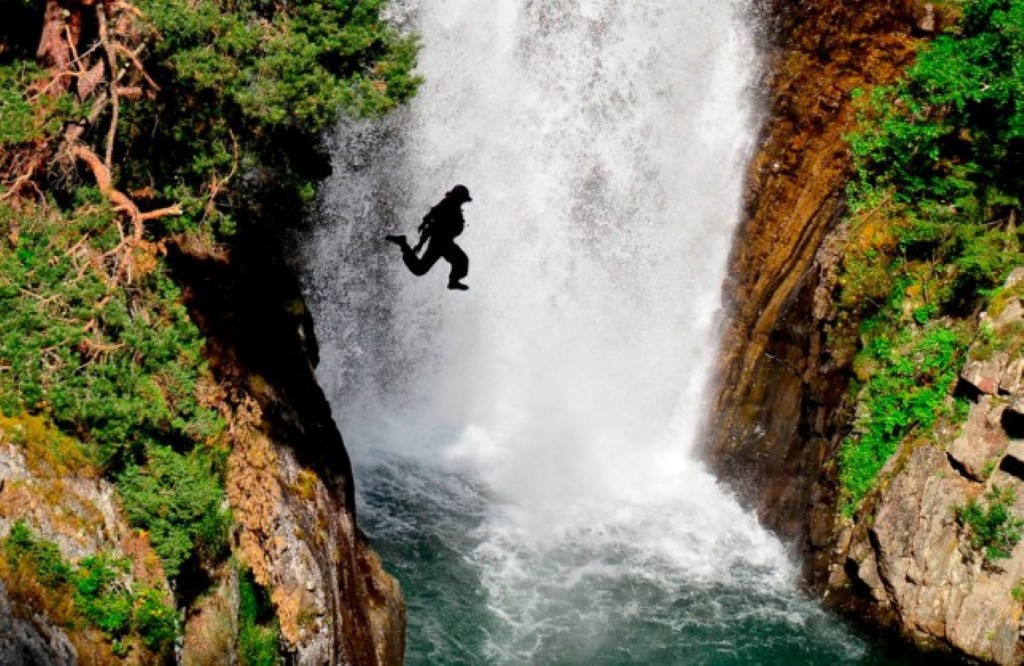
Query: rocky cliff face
(47,484)
(910,561)
(289,485)
(289,480)
(778,389)
(915,556)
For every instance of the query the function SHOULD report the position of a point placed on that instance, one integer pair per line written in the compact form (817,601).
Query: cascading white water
(543,421)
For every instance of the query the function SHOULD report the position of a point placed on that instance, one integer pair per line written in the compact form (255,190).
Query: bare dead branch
(101,173)
(217,184)
(52,47)
(133,58)
(169,211)
(130,8)
(71,47)
(112,75)
(93,348)
(18,183)
(130,92)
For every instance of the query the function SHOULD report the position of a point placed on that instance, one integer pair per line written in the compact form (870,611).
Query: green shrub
(177,499)
(117,368)
(953,131)
(909,389)
(102,594)
(258,634)
(26,118)
(992,529)
(231,131)
(154,621)
(939,163)
(43,556)
(249,87)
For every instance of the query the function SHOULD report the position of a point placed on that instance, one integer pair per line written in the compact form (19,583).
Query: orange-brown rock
(775,391)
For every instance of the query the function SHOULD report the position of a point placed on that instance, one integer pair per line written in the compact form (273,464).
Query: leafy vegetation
(102,589)
(247,88)
(177,499)
(122,128)
(952,132)
(908,388)
(934,229)
(117,368)
(24,119)
(258,634)
(50,566)
(991,527)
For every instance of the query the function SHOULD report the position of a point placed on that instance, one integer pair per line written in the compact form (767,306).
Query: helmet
(460,192)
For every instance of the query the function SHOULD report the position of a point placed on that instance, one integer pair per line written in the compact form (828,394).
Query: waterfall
(523,449)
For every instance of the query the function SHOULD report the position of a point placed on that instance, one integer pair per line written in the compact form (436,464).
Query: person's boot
(397,239)
(455,284)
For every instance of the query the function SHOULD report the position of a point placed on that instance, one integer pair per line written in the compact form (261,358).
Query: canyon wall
(289,487)
(905,560)
(779,393)
(289,479)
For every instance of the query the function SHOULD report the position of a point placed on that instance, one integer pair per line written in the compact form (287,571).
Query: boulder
(916,542)
(1011,313)
(985,374)
(982,442)
(926,21)
(1015,451)
(987,623)
(1013,461)
(31,641)
(1016,277)
(1011,380)
(925,570)
(1013,418)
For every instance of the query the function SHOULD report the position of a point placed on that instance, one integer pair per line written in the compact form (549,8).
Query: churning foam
(604,144)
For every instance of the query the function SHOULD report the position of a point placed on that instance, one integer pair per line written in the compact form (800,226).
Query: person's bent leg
(420,265)
(460,266)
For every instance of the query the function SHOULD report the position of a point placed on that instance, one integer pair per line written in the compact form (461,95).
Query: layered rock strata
(777,392)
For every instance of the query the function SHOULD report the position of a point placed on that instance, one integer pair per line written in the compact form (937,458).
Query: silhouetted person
(440,227)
